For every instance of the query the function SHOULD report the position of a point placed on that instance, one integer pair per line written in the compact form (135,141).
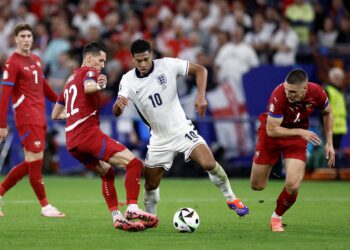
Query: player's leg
(151,196)
(13,177)
(295,170)
(110,195)
(33,142)
(259,176)
(34,162)
(295,158)
(134,167)
(204,157)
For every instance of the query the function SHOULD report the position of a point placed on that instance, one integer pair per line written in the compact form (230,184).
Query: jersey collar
(138,74)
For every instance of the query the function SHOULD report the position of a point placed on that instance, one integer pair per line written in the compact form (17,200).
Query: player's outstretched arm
(201,79)
(274,129)
(119,105)
(91,86)
(328,121)
(58,112)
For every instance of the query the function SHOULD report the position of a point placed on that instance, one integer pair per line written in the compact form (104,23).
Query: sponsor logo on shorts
(37,144)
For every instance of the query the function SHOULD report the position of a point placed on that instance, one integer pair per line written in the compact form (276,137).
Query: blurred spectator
(59,43)
(328,34)
(338,11)
(183,17)
(259,37)
(302,15)
(272,19)
(235,57)
(335,91)
(85,18)
(284,44)
(344,31)
(41,38)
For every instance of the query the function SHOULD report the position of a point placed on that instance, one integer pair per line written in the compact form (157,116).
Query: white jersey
(155,96)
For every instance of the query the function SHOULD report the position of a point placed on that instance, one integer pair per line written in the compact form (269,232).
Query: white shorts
(162,154)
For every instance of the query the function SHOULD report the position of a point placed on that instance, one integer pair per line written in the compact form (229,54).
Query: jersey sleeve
(178,65)
(275,105)
(90,74)
(9,75)
(123,88)
(7,82)
(322,101)
(60,99)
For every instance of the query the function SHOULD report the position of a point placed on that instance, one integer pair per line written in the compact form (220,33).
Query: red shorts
(32,137)
(96,146)
(268,149)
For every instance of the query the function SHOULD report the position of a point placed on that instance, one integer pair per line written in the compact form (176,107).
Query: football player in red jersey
(23,80)
(80,102)
(284,130)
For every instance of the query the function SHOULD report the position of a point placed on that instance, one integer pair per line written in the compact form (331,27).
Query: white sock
(116,215)
(133,207)
(274,215)
(150,200)
(219,178)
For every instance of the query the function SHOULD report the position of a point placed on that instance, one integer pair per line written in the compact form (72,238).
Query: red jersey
(295,115)
(25,75)
(82,109)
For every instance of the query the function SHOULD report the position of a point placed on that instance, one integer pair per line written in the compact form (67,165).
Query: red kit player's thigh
(32,137)
(295,148)
(101,146)
(87,160)
(267,150)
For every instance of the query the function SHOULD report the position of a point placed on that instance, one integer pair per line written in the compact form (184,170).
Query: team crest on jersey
(90,74)
(161,79)
(5,75)
(39,64)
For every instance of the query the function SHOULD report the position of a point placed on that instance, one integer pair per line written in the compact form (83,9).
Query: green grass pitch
(319,220)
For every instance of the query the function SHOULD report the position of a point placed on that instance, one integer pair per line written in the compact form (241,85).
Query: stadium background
(193,30)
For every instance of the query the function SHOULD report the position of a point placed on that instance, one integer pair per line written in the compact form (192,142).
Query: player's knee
(257,186)
(292,187)
(151,185)
(208,164)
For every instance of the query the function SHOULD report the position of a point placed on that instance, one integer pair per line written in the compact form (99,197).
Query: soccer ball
(186,220)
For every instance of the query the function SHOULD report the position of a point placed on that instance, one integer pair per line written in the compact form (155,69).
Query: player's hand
(122,102)
(330,155)
(201,105)
(63,115)
(3,134)
(310,136)
(102,81)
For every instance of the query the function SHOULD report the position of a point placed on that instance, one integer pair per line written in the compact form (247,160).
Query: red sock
(36,181)
(284,202)
(14,176)
(132,180)
(108,190)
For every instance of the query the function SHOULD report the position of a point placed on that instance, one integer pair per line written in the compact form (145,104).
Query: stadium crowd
(220,34)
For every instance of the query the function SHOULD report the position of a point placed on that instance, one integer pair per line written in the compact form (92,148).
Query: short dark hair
(22,26)
(94,48)
(140,46)
(296,76)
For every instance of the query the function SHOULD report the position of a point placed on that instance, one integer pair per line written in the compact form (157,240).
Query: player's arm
(328,121)
(4,106)
(58,112)
(91,86)
(119,105)
(274,129)
(49,93)
(201,75)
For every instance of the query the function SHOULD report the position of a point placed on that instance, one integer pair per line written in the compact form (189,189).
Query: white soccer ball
(186,220)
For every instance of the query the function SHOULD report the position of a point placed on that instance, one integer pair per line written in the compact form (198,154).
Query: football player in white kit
(152,87)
